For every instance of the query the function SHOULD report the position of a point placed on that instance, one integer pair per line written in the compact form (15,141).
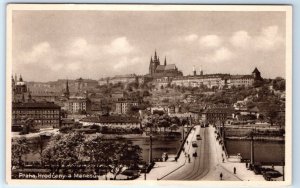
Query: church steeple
(29,95)
(165,63)
(194,71)
(201,71)
(21,79)
(67,92)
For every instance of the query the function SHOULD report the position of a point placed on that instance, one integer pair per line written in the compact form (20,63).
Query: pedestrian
(246,164)
(187,142)
(223,160)
(221,176)
(234,170)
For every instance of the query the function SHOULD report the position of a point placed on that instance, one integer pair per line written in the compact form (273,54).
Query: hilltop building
(156,70)
(216,80)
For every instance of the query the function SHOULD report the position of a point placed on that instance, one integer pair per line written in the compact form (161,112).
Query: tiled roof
(30,105)
(218,110)
(160,67)
(111,119)
(170,67)
(241,77)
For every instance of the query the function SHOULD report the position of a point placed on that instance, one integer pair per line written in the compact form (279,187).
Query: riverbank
(257,138)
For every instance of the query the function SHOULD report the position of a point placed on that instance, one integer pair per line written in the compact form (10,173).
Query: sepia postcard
(135,94)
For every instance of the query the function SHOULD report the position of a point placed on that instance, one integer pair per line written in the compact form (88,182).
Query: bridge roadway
(206,166)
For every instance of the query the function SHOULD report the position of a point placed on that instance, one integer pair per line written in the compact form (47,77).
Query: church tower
(156,60)
(194,71)
(67,92)
(153,63)
(165,63)
(201,71)
(151,67)
(256,74)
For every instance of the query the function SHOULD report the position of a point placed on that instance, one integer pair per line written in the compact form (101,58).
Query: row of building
(48,115)
(168,74)
(210,80)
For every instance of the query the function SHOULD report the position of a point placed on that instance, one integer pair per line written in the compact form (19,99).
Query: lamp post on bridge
(252,147)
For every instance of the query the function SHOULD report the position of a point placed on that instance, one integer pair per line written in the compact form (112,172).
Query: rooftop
(40,105)
(111,119)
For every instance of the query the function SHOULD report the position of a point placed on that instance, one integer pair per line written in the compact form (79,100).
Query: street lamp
(150,154)
(252,146)
(145,175)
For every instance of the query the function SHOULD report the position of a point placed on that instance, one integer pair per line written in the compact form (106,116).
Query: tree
(151,122)
(164,122)
(279,84)
(258,83)
(18,150)
(98,151)
(63,151)
(146,93)
(174,127)
(124,155)
(271,114)
(133,110)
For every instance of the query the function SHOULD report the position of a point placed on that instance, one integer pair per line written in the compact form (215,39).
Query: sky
(51,45)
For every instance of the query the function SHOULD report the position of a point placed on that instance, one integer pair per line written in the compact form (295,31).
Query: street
(206,166)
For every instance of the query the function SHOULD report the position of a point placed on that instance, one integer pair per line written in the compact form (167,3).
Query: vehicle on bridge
(195,154)
(194,144)
(198,137)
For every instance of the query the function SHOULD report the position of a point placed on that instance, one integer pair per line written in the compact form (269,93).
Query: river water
(159,146)
(264,151)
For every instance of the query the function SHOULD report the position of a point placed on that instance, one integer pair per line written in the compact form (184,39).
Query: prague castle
(156,70)
(168,74)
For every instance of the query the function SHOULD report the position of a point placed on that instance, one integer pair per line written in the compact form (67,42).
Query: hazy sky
(48,45)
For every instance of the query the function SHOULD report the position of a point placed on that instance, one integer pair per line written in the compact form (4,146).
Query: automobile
(198,137)
(195,154)
(268,174)
(257,169)
(194,144)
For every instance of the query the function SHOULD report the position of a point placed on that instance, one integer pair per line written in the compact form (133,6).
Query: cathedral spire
(165,63)
(156,58)
(29,95)
(201,70)
(67,86)
(67,92)
(21,79)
